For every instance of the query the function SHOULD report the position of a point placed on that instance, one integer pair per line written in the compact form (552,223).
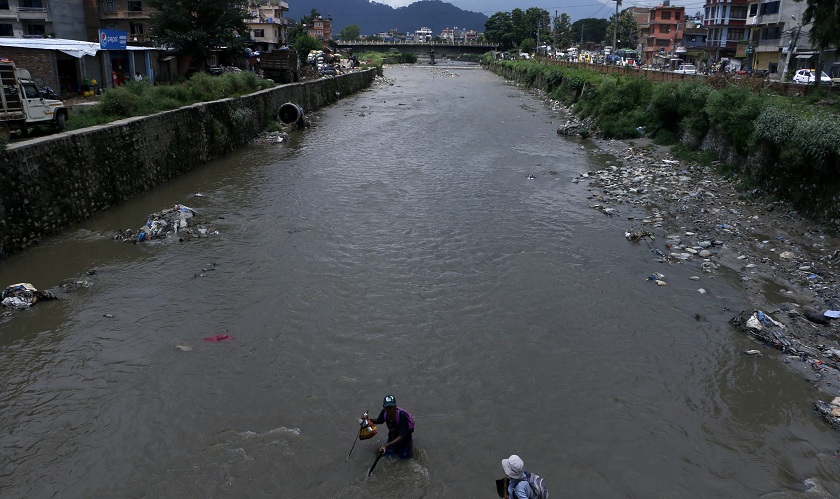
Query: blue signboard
(112,39)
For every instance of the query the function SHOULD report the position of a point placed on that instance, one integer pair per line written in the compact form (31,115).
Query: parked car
(686,69)
(808,76)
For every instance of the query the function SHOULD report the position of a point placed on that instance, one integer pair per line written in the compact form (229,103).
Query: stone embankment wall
(814,191)
(53,182)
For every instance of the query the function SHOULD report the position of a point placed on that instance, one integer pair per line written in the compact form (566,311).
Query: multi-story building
(319,29)
(726,22)
(694,41)
(666,24)
(42,19)
(642,17)
(423,35)
(131,16)
(779,38)
(267,25)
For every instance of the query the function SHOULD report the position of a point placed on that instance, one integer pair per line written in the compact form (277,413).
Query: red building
(666,24)
(319,29)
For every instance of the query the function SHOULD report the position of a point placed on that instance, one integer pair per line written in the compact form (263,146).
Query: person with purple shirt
(400,428)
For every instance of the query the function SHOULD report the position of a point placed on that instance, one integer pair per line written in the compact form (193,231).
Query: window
(753,9)
(736,34)
(6,30)
(738,13)
(770,8)
(4,4)
(35,30)
(31,4)
(110,6)
(259,33)
(662,42)
(135,6)
(664,28)
(677,16)
(31,90)
(136,28)
(666,15)
(771,33)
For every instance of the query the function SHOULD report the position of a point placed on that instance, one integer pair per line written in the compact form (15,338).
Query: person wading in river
(400,428)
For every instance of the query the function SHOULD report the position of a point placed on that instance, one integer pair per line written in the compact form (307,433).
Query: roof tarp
(74,48)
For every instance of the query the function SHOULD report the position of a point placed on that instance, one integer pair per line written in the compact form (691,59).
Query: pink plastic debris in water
(218,337)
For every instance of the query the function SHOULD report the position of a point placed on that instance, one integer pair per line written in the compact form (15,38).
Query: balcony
(33,14)
(127,14)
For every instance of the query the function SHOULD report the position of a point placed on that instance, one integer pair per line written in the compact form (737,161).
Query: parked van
(23,106)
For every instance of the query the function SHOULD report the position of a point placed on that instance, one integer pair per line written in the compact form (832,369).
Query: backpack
(407,415)
(538,486)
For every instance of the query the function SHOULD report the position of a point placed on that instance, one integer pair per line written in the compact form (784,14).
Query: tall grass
(140,99)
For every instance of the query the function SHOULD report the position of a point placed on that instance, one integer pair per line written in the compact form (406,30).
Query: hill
(376,17)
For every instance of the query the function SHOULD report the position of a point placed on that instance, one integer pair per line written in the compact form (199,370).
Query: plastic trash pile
(830,412)
(23,295)
(178,220)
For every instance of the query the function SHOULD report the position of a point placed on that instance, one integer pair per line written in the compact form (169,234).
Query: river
(395,246)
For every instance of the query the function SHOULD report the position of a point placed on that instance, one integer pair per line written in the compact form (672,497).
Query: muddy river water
(396,246)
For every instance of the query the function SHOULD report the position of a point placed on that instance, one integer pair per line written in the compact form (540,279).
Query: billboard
(112,39)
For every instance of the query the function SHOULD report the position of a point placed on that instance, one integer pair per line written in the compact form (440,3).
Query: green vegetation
(139,98)
(194,28)
(795,141)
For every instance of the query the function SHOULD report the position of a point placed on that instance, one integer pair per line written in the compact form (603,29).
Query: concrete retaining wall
(53,182)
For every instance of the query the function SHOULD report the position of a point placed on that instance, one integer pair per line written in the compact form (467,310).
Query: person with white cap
(518,488)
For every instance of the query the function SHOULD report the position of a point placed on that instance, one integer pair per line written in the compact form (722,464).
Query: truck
(23,107)
(281,65)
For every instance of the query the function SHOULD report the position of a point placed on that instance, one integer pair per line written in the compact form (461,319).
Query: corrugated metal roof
(75,48)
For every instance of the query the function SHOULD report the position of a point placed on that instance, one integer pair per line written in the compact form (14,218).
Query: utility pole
(615,27)
(794,37)
(554,55)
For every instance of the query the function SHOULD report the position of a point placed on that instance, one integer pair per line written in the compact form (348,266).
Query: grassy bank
(140,98)
(791,144)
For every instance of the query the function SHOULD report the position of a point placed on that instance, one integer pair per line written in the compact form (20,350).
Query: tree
(824,16)
(628,30)
(590,29)
(299,29)
(537,23)
(196,27)
(563,30)
(499,29)
(527,45)
(304,44)
(350,33)
(374,38)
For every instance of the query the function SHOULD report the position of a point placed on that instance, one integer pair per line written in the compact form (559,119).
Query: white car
(686,69)
(808,76)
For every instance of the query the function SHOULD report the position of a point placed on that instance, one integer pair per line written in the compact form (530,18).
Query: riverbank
(786,263)
(50,183)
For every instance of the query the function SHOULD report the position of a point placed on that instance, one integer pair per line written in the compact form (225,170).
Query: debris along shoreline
(787,263)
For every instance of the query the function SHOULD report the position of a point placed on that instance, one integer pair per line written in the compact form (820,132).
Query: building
(319,29)
(666,24)
(423,35)
(42,19)
(726,22)
(131,16)
(267,25)
(642,17)
(694,41)
(778,38)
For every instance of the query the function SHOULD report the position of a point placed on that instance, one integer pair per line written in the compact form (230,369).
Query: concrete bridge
(421,49)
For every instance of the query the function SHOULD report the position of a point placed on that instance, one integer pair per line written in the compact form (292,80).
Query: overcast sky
(577,9)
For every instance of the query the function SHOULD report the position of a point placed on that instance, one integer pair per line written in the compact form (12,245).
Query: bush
(139,98)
